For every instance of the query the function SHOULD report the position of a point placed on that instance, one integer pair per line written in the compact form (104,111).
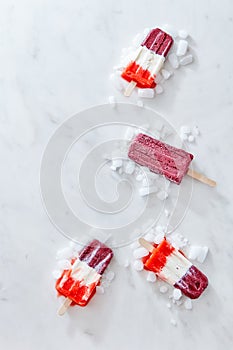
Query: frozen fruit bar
(160,157)
(148,59)
(79,283)
(172,266)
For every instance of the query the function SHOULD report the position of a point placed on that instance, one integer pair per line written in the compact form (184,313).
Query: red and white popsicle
(164,159)
(171,266)
(147,61)
(78,284)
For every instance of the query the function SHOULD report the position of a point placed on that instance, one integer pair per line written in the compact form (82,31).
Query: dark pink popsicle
(160,157)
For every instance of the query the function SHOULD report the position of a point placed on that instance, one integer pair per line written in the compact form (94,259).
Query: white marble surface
(56,57)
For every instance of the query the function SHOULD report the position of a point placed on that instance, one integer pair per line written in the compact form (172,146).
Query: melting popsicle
(147,61)
(164,159)
(79,283)
(171,266)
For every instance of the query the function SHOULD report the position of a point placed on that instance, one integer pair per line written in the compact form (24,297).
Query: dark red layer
(158,41)
(96,255)
(193,283)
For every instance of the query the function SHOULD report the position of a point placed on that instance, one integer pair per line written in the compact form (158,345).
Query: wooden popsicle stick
(202,178)
(146,245)
(64,307)
(129,89)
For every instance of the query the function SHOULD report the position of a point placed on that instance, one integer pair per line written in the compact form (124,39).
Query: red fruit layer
(143,78)
(158,257)
(158,41)
(193,283)
(160,157)
(72,289)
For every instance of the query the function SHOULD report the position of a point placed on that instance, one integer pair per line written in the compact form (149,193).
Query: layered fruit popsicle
(148,59)
(160,157)
(79,283)
(171,265)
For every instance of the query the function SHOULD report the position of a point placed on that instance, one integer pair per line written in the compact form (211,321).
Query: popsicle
(147,60)
(164,159)
(171,266)
(78,284)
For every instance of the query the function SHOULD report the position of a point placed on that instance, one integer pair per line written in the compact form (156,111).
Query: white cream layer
(83,273)
(176,267)
(149,60)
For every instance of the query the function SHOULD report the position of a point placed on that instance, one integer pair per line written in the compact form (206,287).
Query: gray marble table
(56,57)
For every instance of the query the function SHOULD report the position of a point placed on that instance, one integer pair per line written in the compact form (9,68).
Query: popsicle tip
(213,183)
(142,240)
(64,307)
(129,89)
(194,174)
(61,312)
(146,244)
